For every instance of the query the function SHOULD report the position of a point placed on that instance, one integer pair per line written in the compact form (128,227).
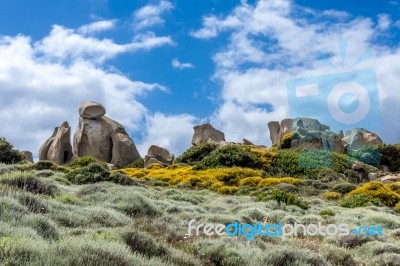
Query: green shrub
(309,163)
(83,162)
(44,227)
(332,195)
(144,244)
(282,197)
(8,154)
(92,173)
(34,203)
(229,156)
(68,199)
(29,182)
(139,163)
(390,156)
(121,178)
(344,188)
(377,190)
(327,213)
(196,153)
(359,200)
(367,154)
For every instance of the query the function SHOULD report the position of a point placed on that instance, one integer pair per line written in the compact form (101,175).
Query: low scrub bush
(139,163)
(83,162)
(267,182)
(29,182)
(282,197)
(377,190)
(344,188)
(144,244)
(266,156)
(227,190)
(332,195)
(196,153)
(229,156)
(359,200)
(390,156)
(92,173)
(327,213)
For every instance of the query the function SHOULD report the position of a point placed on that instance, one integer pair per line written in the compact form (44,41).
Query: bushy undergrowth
(230,156)
(379,191)
(360,200)
(196,153)
(8,154)
(390,156)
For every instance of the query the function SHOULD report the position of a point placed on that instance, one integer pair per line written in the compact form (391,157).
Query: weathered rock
(58,147)
(373,176)
(274,129)
(311,144)
(103,139)
(247,142)
(91,110)
(359,137)
(157,154)
(28,156)
(207,133)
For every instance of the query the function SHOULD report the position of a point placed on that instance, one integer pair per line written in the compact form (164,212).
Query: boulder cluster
(311,134)
(96,135)
(101,137)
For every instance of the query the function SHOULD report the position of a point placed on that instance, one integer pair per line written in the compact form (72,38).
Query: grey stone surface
(207,133)
(157,154)
(58,147)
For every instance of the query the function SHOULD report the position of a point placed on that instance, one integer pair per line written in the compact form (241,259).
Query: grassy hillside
(82,214)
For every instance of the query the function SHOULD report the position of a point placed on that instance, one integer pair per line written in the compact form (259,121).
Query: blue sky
(161,67)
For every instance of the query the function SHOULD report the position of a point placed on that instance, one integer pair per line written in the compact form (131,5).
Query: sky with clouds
(161,67)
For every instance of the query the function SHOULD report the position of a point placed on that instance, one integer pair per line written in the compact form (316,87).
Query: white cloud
(68,44)
(39,92)
(272,41)
(179,65)
(150,15)
(384,21)
(173,132)
(97,26)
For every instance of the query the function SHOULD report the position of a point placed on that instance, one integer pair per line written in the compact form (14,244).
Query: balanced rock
(58,147)
(207,133)
(359,137)
(157,154)
(91,110)
(28,156)
(102,138)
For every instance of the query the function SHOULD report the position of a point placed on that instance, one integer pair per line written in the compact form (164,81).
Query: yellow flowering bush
(214,178)
(377,190)
(332,195)
(266,156)
(250,181)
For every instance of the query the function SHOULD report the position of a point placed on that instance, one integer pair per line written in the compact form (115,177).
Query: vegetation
(196,153)
(230,156)
(390,156)
(84,214)
(8,154)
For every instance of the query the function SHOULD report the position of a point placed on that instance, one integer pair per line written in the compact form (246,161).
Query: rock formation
(207,133)
(102,138)
(28,156)
(358,137)
(311,134)
(156,154)
(58,147)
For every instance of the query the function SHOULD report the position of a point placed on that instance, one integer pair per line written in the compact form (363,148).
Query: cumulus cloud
(39,92)
(173,132)
(270,42)
(67,44)
(179,65)
(97,26)
(150,15)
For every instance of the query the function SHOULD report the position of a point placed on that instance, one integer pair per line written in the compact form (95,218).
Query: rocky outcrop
(58,147)
(157,154)
(359,137)
(207,133)
(102,138)
(28,156)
